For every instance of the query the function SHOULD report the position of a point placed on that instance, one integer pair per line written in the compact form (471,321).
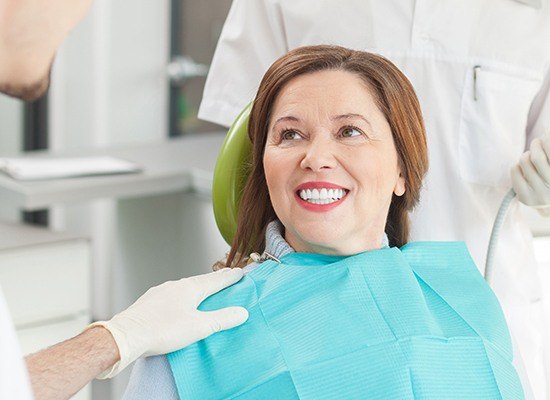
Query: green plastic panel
(230,175)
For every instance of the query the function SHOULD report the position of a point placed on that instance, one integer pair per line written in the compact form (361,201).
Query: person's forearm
(162,320)
(62,370)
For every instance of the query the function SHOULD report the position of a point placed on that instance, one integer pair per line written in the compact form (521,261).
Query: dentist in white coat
(164,319)
(481,71)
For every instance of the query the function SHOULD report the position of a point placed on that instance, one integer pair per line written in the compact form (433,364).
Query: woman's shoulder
(444,264)
(439,253)
(436,246)
(151,378)
(250,267)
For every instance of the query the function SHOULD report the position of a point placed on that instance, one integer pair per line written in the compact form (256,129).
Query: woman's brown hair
(396,99)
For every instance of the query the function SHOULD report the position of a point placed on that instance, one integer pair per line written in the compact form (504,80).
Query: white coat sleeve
(520,369)
(538,123)
(252,38)
(14,380)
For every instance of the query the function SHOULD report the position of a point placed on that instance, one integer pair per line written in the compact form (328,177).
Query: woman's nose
(319,156)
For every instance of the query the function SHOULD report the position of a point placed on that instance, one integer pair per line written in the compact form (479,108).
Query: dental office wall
(11,128)
(11,117)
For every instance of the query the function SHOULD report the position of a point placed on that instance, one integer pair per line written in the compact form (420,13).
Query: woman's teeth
(322,196)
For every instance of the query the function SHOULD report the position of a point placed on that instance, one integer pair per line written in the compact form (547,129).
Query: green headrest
(230,175)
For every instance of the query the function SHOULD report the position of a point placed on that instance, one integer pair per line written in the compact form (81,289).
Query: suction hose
(495,233)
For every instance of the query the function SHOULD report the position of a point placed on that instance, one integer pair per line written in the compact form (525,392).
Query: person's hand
(531,176)
(166,318)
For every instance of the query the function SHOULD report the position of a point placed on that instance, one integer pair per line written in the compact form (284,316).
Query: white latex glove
(531,176)
(166,318)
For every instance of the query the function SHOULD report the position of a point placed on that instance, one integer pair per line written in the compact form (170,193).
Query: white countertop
(171,165)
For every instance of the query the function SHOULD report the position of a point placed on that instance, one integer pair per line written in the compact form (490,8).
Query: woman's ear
(399,189)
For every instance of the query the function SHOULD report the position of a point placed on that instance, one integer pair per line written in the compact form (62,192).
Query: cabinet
(45,277)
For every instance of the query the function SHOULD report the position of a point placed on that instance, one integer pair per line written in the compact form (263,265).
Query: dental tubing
(493,241)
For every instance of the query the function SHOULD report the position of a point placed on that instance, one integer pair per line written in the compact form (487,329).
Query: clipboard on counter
(39,169)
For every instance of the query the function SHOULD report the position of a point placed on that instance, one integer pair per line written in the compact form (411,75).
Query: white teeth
(322,196)
(315,194)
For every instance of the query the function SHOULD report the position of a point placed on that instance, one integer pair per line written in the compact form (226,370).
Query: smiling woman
(340,305)
(326,116)
(331,165)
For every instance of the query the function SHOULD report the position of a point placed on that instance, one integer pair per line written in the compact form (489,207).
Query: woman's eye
(351,132)
(290,135)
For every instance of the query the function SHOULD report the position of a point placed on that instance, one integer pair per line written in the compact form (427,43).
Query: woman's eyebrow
(350,116)
(334,118)
(286,118)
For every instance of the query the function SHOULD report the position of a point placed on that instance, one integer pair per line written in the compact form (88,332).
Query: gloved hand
(531,176)
(166,318)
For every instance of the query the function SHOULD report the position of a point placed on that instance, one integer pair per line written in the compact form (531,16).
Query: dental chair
(230,175)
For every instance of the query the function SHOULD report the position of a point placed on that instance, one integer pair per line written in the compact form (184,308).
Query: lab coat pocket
(493,122)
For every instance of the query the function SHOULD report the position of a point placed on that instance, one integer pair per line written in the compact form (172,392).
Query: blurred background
(131,73)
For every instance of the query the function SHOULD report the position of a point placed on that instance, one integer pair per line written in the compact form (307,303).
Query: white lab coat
(14,381)
(476,133)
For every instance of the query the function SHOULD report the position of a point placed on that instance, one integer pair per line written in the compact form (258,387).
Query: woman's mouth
(322,195)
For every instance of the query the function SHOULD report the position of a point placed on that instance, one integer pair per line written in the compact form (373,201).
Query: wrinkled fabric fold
(412,323)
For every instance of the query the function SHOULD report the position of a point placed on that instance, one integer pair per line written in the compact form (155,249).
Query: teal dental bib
(412,323)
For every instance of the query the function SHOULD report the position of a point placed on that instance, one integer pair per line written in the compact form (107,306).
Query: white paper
(55,168)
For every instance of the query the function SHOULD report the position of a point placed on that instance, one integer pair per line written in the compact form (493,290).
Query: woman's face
(330,163)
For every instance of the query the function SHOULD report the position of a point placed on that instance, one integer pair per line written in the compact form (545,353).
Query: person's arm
(163,320)
(62,370)
(531,176)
